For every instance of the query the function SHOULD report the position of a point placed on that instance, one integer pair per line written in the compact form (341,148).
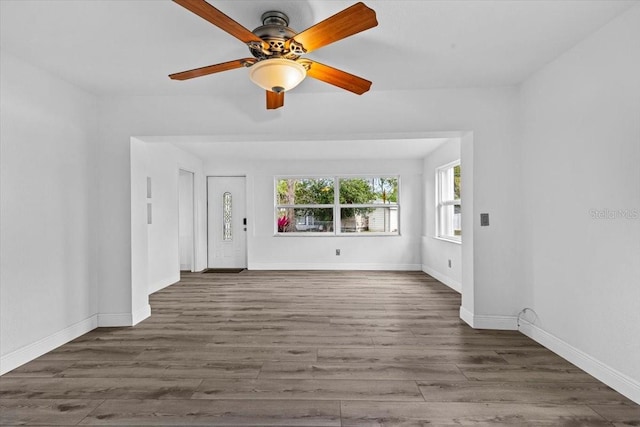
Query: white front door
(227,236)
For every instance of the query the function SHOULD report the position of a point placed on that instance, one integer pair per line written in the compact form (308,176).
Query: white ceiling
(128,47)
(124,47)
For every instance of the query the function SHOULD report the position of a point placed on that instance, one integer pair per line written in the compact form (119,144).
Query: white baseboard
(466,316)
(139,315)
(32,351)
(161,284)
(334,266)
(110,320)
(611,377)
(481,321)
(453,284)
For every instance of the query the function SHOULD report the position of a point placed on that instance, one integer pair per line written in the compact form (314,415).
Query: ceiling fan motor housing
(275,31)
(274,17)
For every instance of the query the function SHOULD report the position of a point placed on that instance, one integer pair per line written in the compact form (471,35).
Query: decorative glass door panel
(227,226)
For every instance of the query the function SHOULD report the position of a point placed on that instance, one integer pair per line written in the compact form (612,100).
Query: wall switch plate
(337,251)
(484,220)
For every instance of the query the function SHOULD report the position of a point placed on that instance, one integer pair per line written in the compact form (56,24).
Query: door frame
(193,217)
(246,243)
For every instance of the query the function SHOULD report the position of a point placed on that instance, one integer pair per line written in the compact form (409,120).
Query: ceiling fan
(277,65)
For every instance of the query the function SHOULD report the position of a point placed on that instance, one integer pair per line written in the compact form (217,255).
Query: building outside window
(363,205)
(448,208)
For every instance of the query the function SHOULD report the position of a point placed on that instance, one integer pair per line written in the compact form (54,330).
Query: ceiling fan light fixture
(277,74)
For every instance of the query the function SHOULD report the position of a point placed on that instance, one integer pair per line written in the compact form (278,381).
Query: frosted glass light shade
(277,74)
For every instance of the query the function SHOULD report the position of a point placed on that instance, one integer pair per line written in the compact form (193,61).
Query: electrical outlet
(449,263)
(484,220)
(337,252)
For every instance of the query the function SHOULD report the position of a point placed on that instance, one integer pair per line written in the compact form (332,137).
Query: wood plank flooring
(306,349)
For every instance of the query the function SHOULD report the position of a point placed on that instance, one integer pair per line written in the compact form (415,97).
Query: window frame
(442,201)
(336,206)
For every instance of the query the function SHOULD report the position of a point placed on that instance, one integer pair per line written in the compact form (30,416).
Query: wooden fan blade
(343,24)
(336,77)
(210,69)
(274,100)
(219,19)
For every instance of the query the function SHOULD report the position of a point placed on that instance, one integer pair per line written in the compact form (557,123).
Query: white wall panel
(436,253)
(580,157)
(48,189)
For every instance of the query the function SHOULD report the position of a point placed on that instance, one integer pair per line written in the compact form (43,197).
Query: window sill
(336,235)
(448,239)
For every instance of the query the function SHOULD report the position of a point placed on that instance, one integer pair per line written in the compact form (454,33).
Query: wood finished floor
(307,349)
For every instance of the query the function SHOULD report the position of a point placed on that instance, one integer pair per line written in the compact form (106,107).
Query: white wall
(581,152)
(268,252)
(48,192)
(437,253)
(132,314)
(163,163)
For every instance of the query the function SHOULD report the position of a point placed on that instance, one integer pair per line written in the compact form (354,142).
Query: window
(448,212)
(368,205)
(337,205)
(305,205)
